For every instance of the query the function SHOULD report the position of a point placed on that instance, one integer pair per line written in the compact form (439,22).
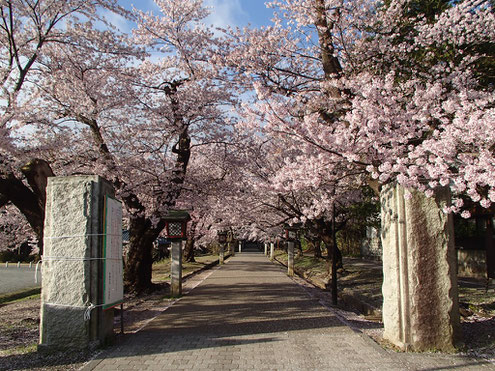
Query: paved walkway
(249,315)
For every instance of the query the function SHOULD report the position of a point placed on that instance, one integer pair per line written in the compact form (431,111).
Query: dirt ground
(19,331)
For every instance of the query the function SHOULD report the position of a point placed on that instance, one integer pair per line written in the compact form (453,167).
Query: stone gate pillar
(272,248)
(240,246)
(72,292)
(266,248)
(420,298)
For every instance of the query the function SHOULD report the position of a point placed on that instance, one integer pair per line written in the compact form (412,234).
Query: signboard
(113,281)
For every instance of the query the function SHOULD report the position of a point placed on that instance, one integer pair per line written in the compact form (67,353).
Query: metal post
(122,318)
(334,260)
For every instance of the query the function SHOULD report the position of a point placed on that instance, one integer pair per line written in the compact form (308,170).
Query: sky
(239,12)
(224,12)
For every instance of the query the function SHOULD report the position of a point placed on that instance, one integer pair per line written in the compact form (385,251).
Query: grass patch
(22,349)
(310,264)
(478,300)
(20,295)
(365,281)
(161,270)
(318,266)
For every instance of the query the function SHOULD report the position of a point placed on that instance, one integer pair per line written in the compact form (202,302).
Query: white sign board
(113,284)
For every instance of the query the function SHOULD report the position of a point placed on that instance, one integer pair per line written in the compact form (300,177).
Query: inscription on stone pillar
(420,300)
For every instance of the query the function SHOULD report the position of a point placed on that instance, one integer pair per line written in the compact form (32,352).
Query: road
(14,279)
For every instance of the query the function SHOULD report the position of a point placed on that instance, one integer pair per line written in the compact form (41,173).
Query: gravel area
(19,331)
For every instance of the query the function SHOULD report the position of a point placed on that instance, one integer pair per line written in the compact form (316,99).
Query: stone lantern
(176,224)
(291,234)
(176,229)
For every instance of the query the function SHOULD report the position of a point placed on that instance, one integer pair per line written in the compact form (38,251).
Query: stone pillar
(221,254)
(240,246)
(266,249)
(290,258)
(272,248)
(231,248)
(73,267)
(176,269)
(420,298)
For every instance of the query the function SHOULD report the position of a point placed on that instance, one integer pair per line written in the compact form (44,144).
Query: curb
(349,299)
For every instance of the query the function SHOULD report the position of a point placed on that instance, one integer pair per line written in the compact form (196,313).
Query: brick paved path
(249,315)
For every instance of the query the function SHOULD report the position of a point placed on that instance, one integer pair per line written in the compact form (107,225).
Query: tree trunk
(324,231)
(29,201)
(329,244)
(139,262)
(298,246)
(316,242)
(189,250)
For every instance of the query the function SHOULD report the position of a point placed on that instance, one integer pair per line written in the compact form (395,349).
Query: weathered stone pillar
(221,254)
(266,249)
(73,264)
(290,258)
(272,248)
(420,298)
(240,246)
(176,269)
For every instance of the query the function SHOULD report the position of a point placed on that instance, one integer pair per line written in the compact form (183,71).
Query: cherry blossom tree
(26,29)
(389,91)
(14,230)
(132,116)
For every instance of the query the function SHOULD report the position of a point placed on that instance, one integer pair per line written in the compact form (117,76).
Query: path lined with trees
(249,315)
(340,115)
